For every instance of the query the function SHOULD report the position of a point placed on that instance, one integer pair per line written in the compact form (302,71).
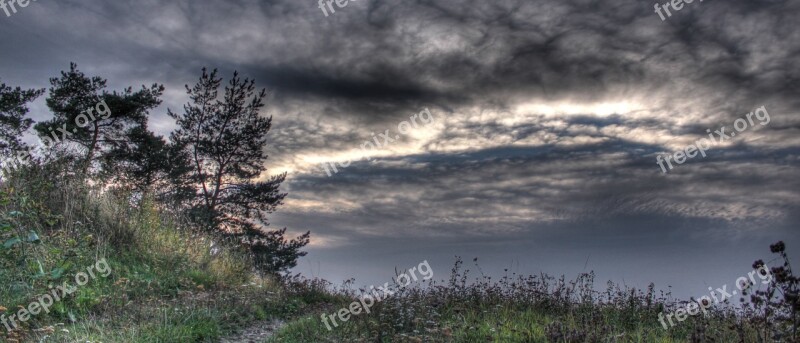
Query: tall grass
(538,308)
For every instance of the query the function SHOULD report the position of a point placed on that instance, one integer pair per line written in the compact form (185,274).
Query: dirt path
(257,333)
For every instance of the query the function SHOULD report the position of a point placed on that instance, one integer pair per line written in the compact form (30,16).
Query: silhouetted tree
(147,164)
(225,137)
(85,114)
(13,120)
(273,253)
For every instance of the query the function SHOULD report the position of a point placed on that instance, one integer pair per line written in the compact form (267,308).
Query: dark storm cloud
(378,58)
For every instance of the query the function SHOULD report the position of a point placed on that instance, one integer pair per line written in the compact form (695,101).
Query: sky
(531,128)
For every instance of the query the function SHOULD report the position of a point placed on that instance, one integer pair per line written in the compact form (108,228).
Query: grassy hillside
(165,283)
(149,277)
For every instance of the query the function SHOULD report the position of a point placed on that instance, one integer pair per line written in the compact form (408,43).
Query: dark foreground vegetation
(181,226)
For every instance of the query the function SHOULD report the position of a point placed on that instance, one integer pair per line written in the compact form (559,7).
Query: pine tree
(148,165)
(91,117)
(225,136)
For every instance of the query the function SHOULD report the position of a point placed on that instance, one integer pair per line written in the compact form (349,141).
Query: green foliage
(21,219)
